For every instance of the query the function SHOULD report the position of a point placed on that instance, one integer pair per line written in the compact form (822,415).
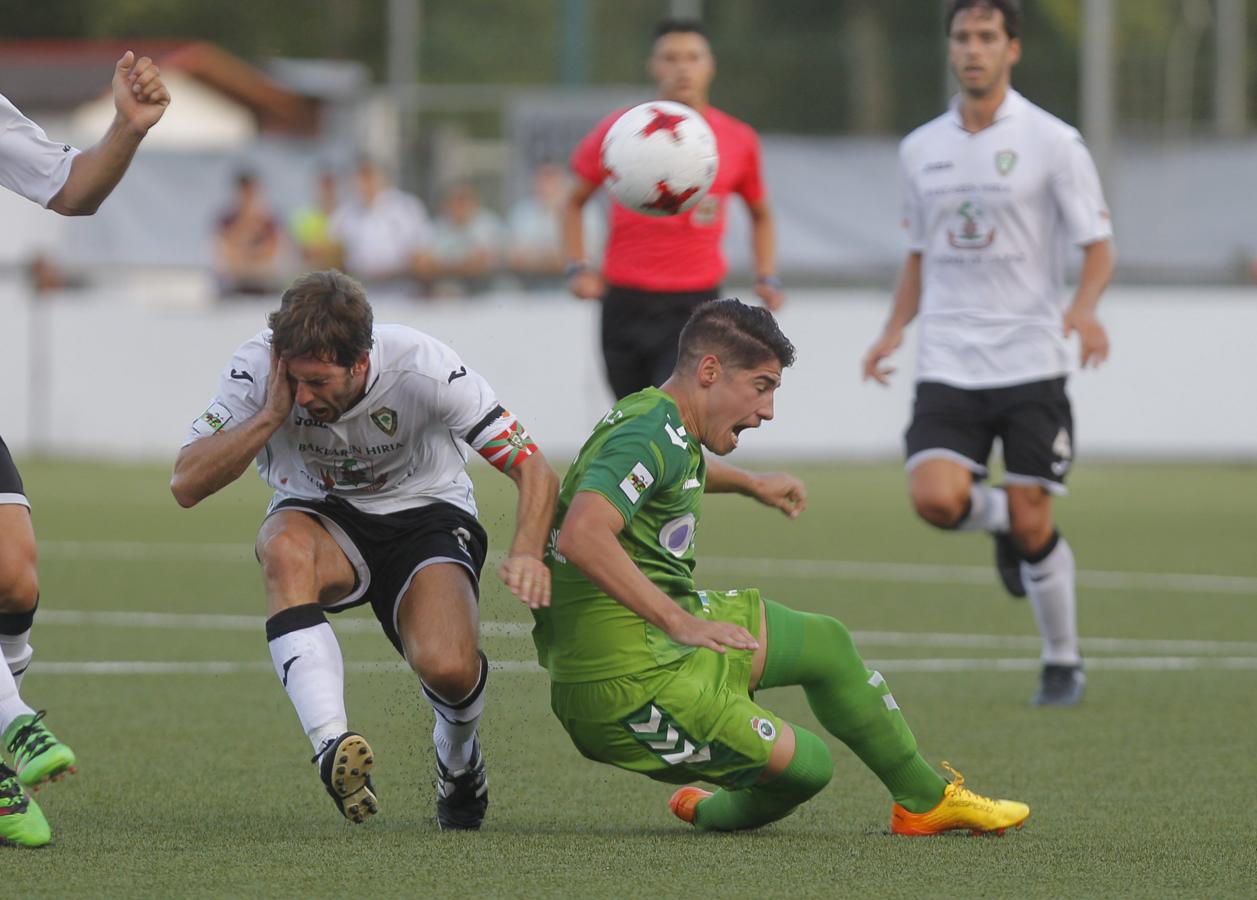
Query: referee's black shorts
(640,331)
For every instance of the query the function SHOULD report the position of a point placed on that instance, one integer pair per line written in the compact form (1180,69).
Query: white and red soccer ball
(660,158)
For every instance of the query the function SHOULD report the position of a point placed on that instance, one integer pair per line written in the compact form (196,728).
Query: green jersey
(642,461)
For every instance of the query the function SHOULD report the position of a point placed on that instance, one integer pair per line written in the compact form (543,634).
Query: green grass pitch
(194,780)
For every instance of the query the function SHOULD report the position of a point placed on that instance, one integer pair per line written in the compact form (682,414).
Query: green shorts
(692,720)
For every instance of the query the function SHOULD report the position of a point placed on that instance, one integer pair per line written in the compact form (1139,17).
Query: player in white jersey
(361,429)
(72,183)
(993,189)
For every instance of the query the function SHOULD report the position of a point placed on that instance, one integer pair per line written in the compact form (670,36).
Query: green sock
(854,704)
(810,769)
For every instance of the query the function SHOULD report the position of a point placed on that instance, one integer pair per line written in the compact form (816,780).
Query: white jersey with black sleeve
(30,164)
(402,446)
(991,213)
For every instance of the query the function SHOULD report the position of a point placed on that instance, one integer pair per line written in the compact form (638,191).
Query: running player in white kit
(363,430)
(992,190)
(72,183)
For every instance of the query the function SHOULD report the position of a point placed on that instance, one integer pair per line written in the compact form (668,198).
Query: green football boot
(21,822)
(37,754)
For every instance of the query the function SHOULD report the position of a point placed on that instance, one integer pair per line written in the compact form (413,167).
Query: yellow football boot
(960,809)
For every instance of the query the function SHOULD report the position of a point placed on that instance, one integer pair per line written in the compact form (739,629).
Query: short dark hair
(324,315)
(741,336)
(1010,8)
(679,26)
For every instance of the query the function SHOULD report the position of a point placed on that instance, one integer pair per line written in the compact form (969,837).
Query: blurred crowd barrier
(95,374)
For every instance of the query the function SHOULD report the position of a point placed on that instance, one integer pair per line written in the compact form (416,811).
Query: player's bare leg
(945,495)
(37,754)
(304,568)
(1048,572)
(438,621)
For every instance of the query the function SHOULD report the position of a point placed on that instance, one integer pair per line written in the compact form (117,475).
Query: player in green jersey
(651,675)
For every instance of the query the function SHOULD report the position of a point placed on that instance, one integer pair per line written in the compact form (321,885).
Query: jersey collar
(1013,103)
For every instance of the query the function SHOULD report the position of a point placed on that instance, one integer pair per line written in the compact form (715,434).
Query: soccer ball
(660,158)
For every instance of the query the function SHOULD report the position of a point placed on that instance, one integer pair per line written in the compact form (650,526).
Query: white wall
(120,378)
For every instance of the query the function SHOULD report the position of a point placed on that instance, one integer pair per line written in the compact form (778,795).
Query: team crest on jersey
(1004,161)
(764,728)
(971,231)
(386,420)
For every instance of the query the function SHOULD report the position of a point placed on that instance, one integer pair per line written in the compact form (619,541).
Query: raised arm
(524,570)
(209,464)
(776,489)
(904,310)
(140,98)
(588,540)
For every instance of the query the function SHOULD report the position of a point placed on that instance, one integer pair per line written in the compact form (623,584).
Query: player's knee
(450,676)
(285,554)
(940,505)
(19,582)
(812,767)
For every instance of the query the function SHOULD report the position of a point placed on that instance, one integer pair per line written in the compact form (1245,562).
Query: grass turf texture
(199,785)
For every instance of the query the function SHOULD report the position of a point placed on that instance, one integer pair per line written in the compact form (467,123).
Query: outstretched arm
(588,540)
(777,489)
(140,98)
(524,570)
(211,463)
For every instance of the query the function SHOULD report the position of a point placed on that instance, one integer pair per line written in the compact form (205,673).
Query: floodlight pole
(1230,95)
(404,17)
(1099,109)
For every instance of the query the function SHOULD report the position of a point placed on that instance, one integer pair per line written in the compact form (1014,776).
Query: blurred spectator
(383,230)
(535,244)
(466,250)
(247,242)
(310,226)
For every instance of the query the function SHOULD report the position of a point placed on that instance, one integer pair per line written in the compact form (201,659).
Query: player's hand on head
(1093,339)
(280,396)
(528,578)
(695,632)
(139,95)
(887,344)
(783,491)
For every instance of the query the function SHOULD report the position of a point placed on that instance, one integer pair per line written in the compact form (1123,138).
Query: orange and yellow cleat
(959,809)
(684,803)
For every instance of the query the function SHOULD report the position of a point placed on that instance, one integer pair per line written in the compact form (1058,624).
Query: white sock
(454,735)
(988,510)
(309,665)
(17,654)
(1050,589)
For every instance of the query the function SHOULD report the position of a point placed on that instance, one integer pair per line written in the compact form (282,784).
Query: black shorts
(1033,422)
(639,334)
(11,490)
(387,550)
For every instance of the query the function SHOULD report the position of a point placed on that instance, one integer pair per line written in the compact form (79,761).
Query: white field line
(899,666)
(223,622)
(807,569)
